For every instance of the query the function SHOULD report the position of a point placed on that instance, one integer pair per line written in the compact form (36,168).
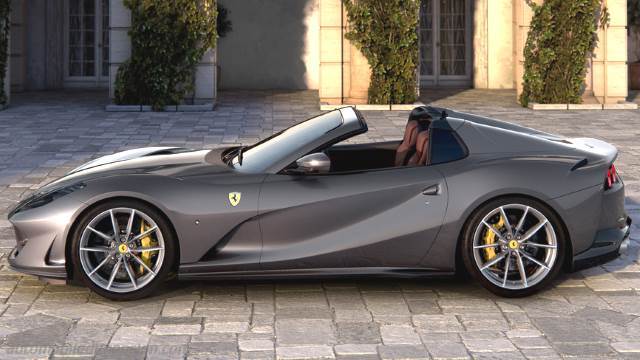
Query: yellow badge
(234,198)
(123,248)
(513,244)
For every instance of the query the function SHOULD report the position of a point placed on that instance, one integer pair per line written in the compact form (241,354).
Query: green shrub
(5,28)
(385,31)
(168,39)
(563,34)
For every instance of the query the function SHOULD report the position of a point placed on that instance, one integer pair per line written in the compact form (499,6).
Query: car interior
(412,150)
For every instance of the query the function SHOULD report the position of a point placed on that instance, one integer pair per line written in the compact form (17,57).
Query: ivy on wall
(5,28)
(385,32)
(562,35)
(168,40)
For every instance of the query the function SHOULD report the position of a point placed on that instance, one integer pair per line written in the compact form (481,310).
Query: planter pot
(634,76)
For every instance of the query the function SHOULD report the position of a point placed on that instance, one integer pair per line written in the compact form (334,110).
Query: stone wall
(273,45)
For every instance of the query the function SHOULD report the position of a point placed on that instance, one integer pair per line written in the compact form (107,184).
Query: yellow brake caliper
(146,241)
(490,238)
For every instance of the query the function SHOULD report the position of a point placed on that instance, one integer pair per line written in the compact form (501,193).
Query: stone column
(344,71)
(522,19)
(609,65)
(493,40)
(206,84)
(119,42)
(335,59)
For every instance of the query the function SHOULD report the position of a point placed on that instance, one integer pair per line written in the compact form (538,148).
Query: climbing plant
(563,34)
(168,40)
(5,28)
(385,32)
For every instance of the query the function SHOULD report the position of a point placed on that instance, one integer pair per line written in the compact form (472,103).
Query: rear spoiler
(598,152)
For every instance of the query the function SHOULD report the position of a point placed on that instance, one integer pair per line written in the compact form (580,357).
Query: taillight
(612,177)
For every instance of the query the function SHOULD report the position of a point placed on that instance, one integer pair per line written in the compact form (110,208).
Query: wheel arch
(72,229)
(459,263)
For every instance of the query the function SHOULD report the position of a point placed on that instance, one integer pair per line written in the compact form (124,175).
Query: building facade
(299,44)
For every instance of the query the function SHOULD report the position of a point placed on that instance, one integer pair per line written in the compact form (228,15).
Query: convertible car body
(508,204)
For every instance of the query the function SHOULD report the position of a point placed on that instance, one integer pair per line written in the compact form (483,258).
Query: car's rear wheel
(513,246)
(123,250)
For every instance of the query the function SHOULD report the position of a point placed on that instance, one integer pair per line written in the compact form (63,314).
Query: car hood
(165,161)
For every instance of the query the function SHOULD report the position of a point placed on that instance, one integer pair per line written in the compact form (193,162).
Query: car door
(381,218)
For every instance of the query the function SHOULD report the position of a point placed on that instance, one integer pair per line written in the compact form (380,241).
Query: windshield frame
(283,148)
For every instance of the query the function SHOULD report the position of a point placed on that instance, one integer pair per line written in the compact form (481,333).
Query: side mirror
(317,163)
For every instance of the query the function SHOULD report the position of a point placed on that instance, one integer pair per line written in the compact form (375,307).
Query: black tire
(467,250)
(170,244)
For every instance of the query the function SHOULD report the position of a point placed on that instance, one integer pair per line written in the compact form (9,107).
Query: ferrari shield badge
(234,198)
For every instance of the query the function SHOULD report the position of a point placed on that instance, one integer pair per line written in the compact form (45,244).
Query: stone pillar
(609,65)
(120,51)
(344,72)
(206,84)
(522,19)
(360,77)
(119,43)
(493,41)
(335,59)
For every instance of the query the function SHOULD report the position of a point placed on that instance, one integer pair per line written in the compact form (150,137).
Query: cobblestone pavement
(590,314)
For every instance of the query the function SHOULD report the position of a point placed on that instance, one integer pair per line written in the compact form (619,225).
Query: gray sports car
(507,204)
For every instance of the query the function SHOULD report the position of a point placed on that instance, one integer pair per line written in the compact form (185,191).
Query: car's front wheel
(123,250)
(513,246)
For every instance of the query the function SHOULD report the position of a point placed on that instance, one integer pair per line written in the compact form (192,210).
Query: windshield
(257,158)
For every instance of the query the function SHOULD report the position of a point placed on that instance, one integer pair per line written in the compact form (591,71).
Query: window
(446,146)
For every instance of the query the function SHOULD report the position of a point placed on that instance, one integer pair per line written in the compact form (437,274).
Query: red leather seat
(421,155)
(408,144)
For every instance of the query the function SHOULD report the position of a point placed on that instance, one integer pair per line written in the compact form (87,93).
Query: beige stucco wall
(120,51)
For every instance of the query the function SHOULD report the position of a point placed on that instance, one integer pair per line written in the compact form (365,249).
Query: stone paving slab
(592,314)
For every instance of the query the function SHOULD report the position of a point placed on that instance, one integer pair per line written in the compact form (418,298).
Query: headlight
(43,198)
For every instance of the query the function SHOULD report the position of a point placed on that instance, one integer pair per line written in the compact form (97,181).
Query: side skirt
(407,273)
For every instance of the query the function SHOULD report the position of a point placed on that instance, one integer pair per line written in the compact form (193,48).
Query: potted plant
(633,24)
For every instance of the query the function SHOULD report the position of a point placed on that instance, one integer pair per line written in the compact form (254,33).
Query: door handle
(432,190)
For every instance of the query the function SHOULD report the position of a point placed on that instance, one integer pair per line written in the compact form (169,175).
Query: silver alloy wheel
(515,246)
(114,257)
